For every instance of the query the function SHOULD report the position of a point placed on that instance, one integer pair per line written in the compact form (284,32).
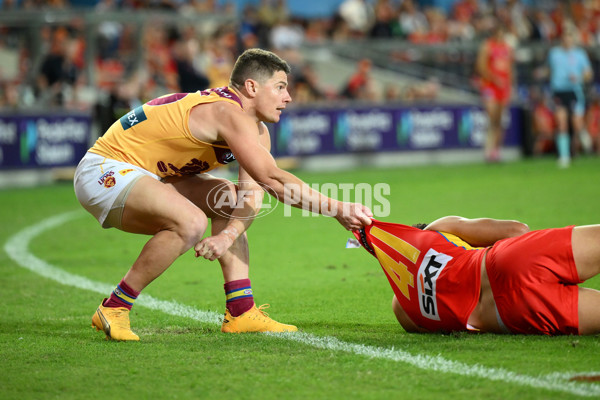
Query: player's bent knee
(224,200)
(228,188)
(193,229)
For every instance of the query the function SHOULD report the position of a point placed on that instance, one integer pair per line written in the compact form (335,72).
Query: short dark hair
(257,64)
(420,226)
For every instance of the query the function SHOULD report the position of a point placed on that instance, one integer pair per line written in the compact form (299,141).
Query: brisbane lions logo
(110,182)
(107,179)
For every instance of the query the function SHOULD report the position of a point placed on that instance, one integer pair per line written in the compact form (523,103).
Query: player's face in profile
(273,97)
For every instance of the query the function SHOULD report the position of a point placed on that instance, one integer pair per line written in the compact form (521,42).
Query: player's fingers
(364,220)
(353,224)
(204,250)
(200,245)
(360,220)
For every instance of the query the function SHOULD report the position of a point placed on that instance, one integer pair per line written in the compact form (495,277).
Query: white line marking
(17,247)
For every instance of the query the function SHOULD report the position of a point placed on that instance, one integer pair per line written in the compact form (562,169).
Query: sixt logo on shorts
(431,268)
(107,179)
(133,118)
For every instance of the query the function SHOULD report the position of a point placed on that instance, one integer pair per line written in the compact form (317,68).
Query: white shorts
(102,186)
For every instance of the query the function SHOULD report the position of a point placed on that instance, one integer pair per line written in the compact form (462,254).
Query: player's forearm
(487,231)
(479,232)
(293,191)
(248,206)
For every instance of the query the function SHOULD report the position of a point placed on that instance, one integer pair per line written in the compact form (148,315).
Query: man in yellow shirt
(147,175)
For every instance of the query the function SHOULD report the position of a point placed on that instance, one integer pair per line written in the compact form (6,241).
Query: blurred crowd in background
(110,65)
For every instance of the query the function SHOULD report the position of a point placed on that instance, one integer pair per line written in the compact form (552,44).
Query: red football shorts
(534,282)
(498,94)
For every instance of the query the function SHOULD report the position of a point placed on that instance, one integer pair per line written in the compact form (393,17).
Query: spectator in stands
(12,72)
(386,24)
(519,19)
(438,27)
(286,34)
(359,15)
(593,121)
(159,58)
(9,95)
(586,26)
(495,68)
(189,77)
(392,93)
(58,71)
(270,12)
(306,86)
(411,19)
(360,85)
(9,5)
(251,27)
(220,56)
(465,10)
(422,91)
(559,15)
(483,24)
(461,30)
(316,30)
(542,26)
(569,68)
(543,123)
(109,32)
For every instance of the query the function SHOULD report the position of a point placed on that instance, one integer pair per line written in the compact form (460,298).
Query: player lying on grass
(147,175)
(489,275)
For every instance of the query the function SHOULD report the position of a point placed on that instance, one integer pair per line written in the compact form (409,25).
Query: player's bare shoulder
(215,122)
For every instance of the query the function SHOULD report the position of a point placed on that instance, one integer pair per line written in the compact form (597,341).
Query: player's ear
(251,87)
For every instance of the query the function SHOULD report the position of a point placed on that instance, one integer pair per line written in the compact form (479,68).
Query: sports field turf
(350,345)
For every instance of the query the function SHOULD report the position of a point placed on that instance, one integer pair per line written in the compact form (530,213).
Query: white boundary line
(17,247)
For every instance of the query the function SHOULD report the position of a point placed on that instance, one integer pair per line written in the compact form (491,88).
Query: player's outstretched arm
(479,231)
(243,137)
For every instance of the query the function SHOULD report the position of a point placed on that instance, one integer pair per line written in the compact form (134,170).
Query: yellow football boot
(114,322)
(254,320)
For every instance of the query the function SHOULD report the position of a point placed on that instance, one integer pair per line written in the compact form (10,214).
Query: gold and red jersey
(436,276)
(156,136)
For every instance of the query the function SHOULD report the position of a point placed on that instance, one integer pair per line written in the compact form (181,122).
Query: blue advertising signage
(352,130)
(43,141)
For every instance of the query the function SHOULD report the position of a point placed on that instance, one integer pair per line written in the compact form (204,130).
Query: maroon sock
(122,296)
(239,296)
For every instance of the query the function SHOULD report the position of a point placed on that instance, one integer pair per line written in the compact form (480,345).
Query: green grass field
(350,345)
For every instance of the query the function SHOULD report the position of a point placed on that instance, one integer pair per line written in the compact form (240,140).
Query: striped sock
(239,296)
(122,296)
